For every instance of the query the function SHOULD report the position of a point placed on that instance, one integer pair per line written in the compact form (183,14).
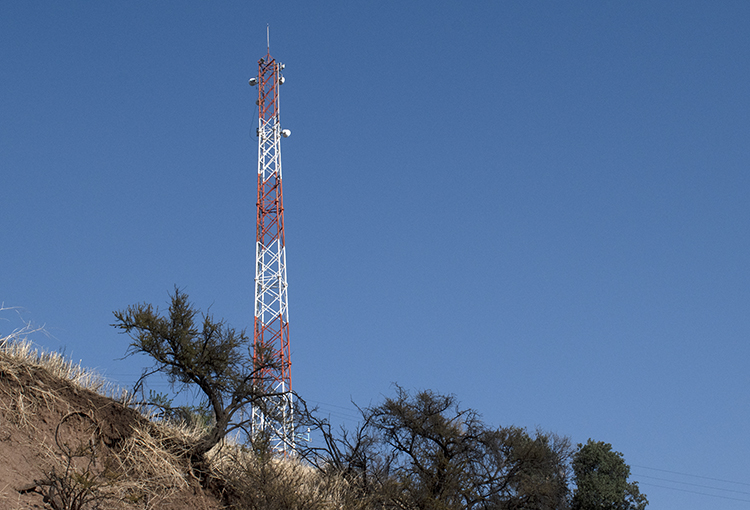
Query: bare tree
(423,451)
(354,455)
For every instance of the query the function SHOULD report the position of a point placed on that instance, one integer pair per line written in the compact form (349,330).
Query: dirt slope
(46,421)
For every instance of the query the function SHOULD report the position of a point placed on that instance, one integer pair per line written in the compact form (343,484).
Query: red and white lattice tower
(272,416)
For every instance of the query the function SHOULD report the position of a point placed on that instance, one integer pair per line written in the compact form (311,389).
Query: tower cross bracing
(273,413)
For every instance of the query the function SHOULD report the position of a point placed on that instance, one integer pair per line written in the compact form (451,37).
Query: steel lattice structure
(273,414)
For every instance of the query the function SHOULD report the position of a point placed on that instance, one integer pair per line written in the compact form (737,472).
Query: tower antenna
(268,39)
(272,413)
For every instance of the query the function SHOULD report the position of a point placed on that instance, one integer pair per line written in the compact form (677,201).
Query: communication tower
(273,414)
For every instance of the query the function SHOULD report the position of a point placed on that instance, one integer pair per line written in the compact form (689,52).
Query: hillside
(66,445)
(61,438)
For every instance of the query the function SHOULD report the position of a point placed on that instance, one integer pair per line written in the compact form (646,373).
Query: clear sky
(541,207)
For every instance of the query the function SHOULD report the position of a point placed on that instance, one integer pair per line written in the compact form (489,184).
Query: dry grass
(20,403)
(151,473)
(274,483)
(18,357)
(17,352)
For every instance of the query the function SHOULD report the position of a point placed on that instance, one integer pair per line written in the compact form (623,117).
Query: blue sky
(540,207)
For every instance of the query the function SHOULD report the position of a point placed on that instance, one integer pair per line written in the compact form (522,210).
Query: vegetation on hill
(68,443)
(79,446)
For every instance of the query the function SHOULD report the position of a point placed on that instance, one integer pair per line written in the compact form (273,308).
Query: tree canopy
(601,477)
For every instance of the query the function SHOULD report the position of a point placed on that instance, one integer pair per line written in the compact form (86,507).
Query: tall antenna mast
(272,414)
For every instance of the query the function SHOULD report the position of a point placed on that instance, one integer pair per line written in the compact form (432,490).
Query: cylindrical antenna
(268,38)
